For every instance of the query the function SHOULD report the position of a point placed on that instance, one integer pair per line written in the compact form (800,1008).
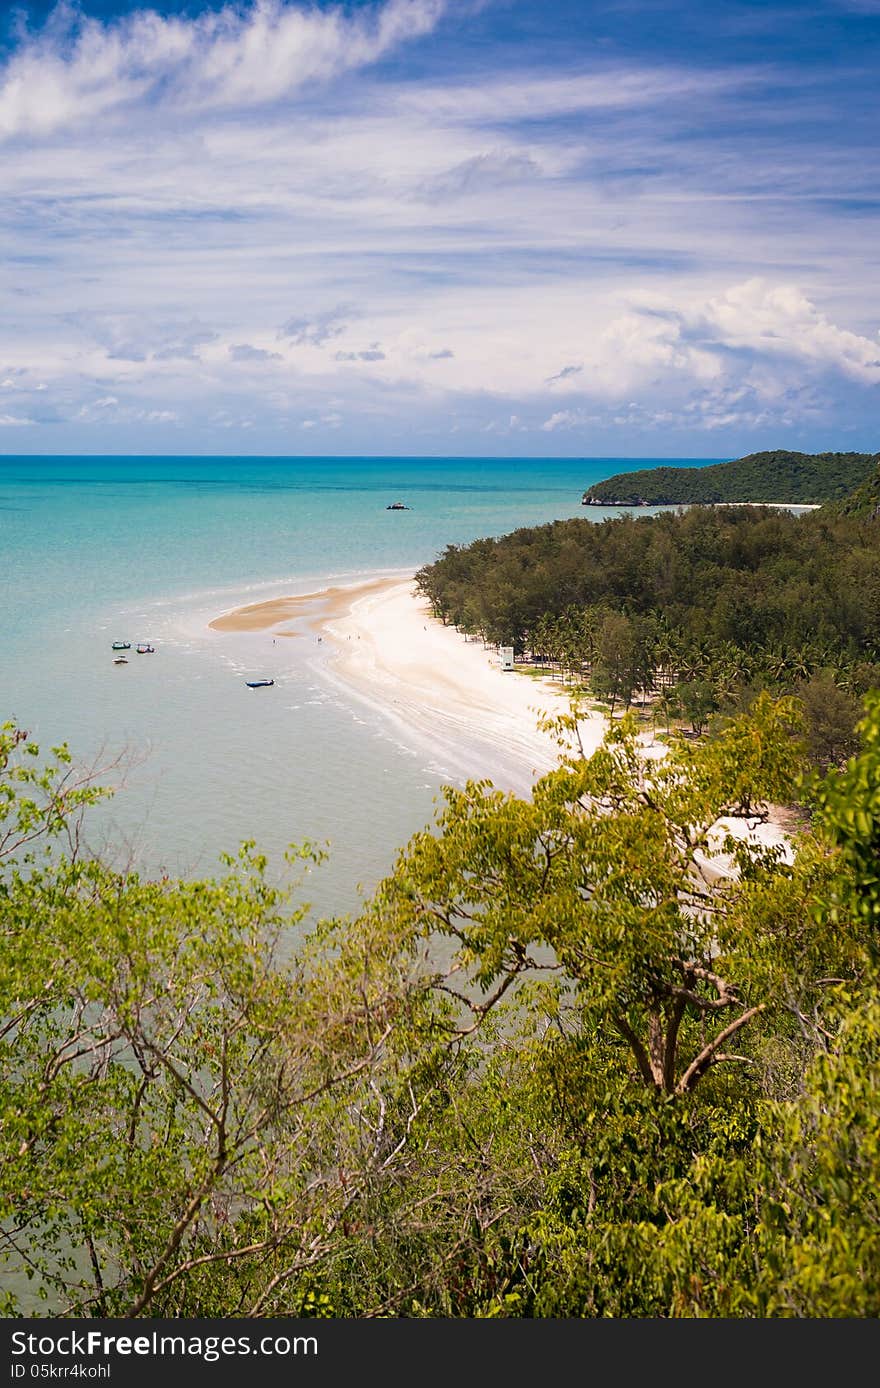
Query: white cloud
(542,96)
(561,419)
(738,356)
(78,69)
(772,319)
(135,337)
(441,250)
(110,410)
(482,172)
(638,344)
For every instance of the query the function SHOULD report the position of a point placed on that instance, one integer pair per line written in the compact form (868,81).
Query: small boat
(258,684)
(122,645)
(121,660)
(144,648)
(397,506)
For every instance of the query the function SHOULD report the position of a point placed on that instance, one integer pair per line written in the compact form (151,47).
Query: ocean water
(150,549)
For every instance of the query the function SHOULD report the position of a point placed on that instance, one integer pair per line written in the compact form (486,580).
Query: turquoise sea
(150,549)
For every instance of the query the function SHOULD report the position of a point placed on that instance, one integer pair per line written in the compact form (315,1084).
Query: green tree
(604,879)
(697,700)
(615,671)
(832,715)
(567,1062)
(189,1117)
(846,805)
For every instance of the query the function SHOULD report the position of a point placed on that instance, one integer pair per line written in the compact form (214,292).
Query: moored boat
(258,684)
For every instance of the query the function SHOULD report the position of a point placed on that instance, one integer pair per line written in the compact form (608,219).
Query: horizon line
(416,457)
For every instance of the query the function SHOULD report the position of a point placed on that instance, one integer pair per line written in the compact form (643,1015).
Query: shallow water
(98,549)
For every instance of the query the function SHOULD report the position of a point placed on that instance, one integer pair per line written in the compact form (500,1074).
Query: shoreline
(443,690)
(447,689)
(670,505)
(777,505)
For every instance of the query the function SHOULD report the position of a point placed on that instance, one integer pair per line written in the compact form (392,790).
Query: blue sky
(440,227)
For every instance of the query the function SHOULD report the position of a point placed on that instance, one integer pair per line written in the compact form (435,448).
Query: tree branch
(709,1054)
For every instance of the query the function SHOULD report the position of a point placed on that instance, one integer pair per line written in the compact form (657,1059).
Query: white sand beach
(449,689)
(443,690)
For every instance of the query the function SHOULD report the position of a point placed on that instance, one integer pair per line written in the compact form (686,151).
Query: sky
(614,228)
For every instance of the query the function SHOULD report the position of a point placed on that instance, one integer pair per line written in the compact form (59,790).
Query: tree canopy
(698,610)
(558,1066)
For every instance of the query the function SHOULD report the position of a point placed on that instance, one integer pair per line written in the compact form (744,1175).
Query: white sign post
(507,657)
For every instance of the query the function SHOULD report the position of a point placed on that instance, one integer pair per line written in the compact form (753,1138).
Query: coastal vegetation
(690,613)
(556,1068)
(775,476)
(567,1061)
(864,501)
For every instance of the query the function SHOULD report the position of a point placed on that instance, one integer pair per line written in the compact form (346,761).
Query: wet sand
(311,607)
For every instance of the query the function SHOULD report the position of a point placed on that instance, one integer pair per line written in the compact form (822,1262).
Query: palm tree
(801,663)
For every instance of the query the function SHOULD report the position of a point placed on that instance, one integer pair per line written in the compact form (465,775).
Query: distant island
(776,476)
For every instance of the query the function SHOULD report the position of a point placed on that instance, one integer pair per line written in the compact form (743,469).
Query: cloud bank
(405,223)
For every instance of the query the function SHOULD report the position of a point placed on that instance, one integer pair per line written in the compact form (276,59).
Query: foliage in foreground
(559,1066)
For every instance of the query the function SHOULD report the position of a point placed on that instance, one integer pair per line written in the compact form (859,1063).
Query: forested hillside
(864,502)
(776,476)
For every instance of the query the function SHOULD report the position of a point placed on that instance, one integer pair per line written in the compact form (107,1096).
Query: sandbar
(263,616)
